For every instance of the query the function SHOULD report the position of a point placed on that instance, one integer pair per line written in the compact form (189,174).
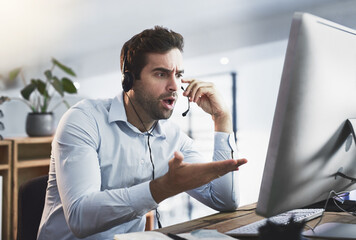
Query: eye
(161,74)
(179,75)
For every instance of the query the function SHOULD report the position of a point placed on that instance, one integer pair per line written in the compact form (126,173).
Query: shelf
(5,172)
(4,167)
(32,140)
(5,152)
(33,163)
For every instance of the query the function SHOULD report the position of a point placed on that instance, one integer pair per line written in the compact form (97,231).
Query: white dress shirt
(100,172)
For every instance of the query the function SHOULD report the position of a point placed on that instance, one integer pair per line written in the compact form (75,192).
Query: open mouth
(168,102)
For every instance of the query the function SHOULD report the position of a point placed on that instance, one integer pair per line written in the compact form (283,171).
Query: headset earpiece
(127,81)
(127,77)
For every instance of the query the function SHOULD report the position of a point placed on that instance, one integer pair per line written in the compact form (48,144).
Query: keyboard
(251,230)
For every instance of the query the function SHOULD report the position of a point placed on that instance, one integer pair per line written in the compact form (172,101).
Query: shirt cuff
(225,142)
(141,198)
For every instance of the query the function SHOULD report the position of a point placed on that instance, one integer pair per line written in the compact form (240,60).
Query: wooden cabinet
(30,159)
(5,172)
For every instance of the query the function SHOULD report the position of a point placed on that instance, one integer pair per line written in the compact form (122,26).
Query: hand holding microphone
(206,96)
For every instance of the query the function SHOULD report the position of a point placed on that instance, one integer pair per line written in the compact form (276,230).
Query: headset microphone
(186,112)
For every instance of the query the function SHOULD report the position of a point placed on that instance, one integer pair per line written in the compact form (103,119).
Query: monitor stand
(332,230)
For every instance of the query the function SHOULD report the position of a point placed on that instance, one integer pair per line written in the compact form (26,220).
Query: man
(115,160)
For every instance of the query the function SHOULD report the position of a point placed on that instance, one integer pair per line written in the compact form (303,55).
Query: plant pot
(40,124)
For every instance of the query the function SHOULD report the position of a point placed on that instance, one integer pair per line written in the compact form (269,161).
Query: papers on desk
(201,234)
(142,236)
(205,234)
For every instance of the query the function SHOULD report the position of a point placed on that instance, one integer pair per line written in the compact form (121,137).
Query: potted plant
(37,95)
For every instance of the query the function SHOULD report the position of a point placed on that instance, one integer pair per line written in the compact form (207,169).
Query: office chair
(31,200)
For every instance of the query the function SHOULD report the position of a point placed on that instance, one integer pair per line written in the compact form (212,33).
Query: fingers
(178,158)
(176,161)
(197,89)
(226,166)
(241,162)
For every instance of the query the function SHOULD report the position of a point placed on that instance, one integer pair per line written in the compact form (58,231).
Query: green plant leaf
(27,90)
(63,67)
(58,86)
(14,73)
(41,86)
(44,105)
(68,85)
(48,74)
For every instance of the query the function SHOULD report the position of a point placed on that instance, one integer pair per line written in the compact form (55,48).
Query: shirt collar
(117,113)
(117,109)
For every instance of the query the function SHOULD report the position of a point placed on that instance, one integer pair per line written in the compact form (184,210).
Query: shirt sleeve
(87,208)
(221,194)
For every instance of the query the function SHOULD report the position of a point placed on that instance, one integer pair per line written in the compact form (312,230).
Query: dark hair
(156,40)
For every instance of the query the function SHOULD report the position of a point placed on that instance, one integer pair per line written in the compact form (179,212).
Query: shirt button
(142,161)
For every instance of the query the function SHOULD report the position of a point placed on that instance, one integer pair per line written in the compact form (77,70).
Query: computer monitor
(312,142)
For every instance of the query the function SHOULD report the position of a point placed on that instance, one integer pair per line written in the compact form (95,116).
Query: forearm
(223,122)
(103,210)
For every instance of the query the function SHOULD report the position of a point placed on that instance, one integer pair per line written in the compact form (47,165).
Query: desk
(224,222)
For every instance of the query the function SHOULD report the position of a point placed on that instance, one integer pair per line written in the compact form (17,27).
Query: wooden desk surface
(224,222)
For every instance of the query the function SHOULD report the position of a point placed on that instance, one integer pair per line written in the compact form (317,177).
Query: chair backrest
(31,200)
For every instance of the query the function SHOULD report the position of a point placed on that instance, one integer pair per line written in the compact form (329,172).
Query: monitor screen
(311,143)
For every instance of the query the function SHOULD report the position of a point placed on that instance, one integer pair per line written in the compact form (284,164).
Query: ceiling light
(224,60)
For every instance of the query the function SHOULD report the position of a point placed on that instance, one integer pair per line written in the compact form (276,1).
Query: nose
(173,83)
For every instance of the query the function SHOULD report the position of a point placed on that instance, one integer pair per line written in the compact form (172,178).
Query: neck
(136,115)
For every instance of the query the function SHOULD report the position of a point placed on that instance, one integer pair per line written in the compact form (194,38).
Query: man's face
(156,92)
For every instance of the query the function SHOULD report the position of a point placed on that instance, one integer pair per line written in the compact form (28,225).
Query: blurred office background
(223,39)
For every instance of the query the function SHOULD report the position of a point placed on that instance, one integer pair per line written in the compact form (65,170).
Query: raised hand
(206,96)
(183,176)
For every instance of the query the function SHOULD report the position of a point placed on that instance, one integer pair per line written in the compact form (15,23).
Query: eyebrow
(167,70)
